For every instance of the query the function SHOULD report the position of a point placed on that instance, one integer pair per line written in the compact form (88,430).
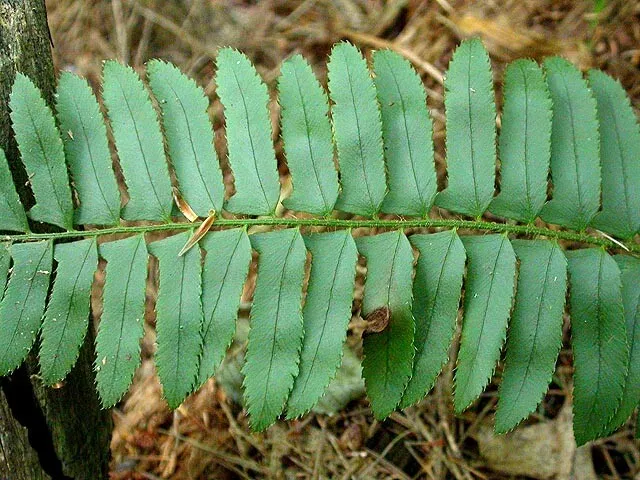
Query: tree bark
(44,433)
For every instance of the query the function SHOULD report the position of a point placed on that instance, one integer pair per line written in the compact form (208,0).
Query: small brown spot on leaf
(377,320)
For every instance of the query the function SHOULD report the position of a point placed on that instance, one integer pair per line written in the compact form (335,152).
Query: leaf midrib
(574,150)
(472,152)
(387,334)
(355,104)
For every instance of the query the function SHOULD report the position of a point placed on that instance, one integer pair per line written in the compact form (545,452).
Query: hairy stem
(593,238)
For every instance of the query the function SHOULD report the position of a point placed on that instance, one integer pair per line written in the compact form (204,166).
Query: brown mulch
(208,436)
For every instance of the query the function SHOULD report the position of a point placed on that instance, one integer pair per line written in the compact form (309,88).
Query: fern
(513,282)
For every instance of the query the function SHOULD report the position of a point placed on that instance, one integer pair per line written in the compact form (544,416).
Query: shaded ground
(208,436)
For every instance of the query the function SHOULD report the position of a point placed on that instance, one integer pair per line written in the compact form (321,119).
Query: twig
(429,68)
(121,31)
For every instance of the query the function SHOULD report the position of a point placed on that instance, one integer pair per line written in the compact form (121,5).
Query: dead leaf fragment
(200,232)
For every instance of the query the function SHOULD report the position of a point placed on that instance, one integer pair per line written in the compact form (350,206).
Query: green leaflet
(189,136)
(275,337)
(251,155)
(525,143)
(407,131)
(598,339)
(42,154)
(619,154)
(357,128)
(139,143)
(630,269)
(223,276)
(23,303)
(67,317)
(535,330)
(85,144)
(12,216)
(489,290)
(306,134)
(436,296)
(471,131)
(179,317)
(575,156)
(326,315)
(388,355)
(122,322)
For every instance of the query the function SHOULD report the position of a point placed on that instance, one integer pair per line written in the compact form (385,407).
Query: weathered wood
(18,460)
(63,429)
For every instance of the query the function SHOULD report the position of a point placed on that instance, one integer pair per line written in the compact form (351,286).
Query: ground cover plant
(512,275)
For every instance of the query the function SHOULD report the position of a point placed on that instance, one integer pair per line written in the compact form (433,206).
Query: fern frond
(535,330)
(525,143)
(630,269)
(407,131)
(619,153)
(513,281)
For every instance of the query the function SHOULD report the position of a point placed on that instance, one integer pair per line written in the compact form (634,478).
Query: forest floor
(208,436)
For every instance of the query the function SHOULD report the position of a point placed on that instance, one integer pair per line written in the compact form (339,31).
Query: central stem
(526,230)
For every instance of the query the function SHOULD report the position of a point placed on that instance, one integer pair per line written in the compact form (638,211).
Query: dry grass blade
(183,206)
(200,232)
